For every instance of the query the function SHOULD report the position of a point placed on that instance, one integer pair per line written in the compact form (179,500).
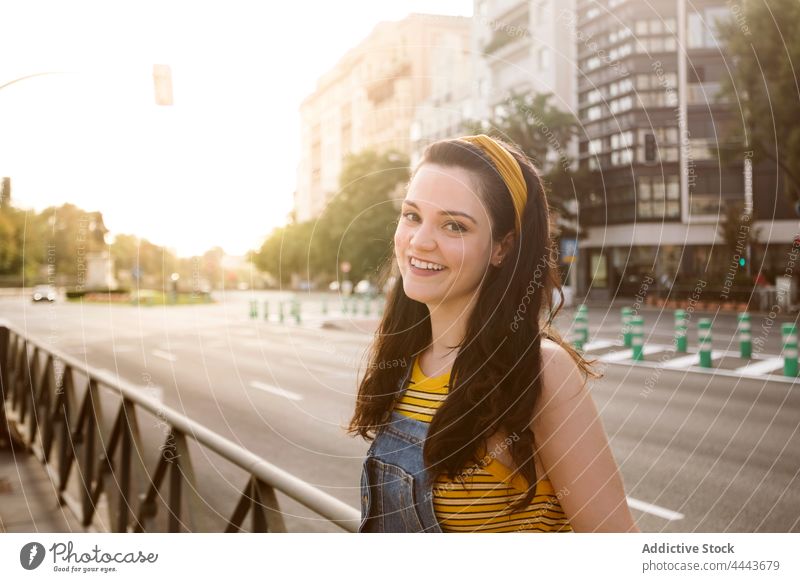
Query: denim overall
(395,496)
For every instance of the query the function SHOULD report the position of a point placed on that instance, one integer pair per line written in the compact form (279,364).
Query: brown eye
(459,227)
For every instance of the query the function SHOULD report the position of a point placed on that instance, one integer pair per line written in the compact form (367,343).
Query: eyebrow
(445,212)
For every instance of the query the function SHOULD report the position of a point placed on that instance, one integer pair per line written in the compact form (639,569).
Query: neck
(449,325)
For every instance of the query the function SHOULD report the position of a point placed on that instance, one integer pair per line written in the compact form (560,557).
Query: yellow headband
(509,170)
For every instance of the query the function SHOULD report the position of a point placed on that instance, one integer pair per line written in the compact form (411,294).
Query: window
(697,74)
(644,189)
(656,26)
(703,27)
(673,188)
(651,200)
(623,104)
(621,157)
(541,9)
(596,146)
(544,59)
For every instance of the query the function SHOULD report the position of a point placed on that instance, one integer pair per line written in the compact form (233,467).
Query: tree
(764,50)
(356,226)
(543,132)
(738,234)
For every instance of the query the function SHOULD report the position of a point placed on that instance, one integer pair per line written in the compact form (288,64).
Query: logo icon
(31,555)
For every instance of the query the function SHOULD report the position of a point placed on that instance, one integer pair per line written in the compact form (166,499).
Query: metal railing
(93,427)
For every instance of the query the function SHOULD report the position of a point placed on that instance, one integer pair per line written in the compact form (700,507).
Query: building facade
(651,118)
(369,100)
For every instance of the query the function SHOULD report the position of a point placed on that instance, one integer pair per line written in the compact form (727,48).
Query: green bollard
(627,313)
(266,310)
(637,337)
(786,329)
(745,341)
(789,349)
(582,327)
(704,339)
(367,306)
(583,310)
(253,309)
(296,310)
(280,311)
(324,306)
(681,329)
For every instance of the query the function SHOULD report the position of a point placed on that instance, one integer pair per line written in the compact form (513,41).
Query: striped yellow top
(478,500)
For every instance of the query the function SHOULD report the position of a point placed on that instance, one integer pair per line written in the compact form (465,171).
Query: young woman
(486,424)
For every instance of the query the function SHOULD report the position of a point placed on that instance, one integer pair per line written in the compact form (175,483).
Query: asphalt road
(698,452)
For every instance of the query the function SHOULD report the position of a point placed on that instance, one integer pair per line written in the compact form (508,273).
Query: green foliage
(763,49)
(543,132)
(736,229)
(53,245)
(356,226)
(52,242)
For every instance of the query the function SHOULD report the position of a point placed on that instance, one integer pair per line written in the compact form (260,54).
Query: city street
(698,451)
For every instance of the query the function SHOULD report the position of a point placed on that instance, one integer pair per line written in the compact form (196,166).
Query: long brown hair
(495,380)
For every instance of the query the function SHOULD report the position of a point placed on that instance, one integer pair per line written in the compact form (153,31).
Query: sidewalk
(342,323)
(369,325)
(617,304)
(28,500)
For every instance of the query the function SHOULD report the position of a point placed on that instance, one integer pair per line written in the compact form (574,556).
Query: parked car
(44,293)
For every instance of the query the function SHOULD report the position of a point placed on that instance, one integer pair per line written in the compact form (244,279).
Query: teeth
(425,265)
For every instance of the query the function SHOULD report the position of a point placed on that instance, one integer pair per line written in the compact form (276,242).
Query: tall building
(524,50)
(450,101)
(658,198)
(369,100)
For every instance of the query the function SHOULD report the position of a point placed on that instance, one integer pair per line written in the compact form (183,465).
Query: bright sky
(218,167)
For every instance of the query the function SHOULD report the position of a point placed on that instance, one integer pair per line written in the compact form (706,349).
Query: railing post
(5,436)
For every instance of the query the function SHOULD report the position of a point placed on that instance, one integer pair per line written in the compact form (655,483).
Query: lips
(425,261)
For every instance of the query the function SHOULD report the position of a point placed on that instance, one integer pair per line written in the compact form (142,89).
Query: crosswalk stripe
(667,514)
(763,367)
(164,355)
(627,354)
(275,390)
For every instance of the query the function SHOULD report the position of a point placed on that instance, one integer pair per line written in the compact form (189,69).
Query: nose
(422,239)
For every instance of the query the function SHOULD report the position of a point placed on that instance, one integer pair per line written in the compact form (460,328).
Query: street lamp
(162,82)
(174,278)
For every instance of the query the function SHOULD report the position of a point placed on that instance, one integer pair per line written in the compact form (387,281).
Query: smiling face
(443,242)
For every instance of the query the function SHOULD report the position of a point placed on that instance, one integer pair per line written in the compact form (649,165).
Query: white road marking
(667,514)
(598,345)
(124,349)
(627,354)
(687,360)
(323,371)
(164,355)
(275,390)
(759,368)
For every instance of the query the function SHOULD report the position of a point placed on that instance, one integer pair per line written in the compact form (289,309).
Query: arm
(574,449)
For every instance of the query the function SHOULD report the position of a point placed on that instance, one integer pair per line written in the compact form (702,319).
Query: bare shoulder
(562,378)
